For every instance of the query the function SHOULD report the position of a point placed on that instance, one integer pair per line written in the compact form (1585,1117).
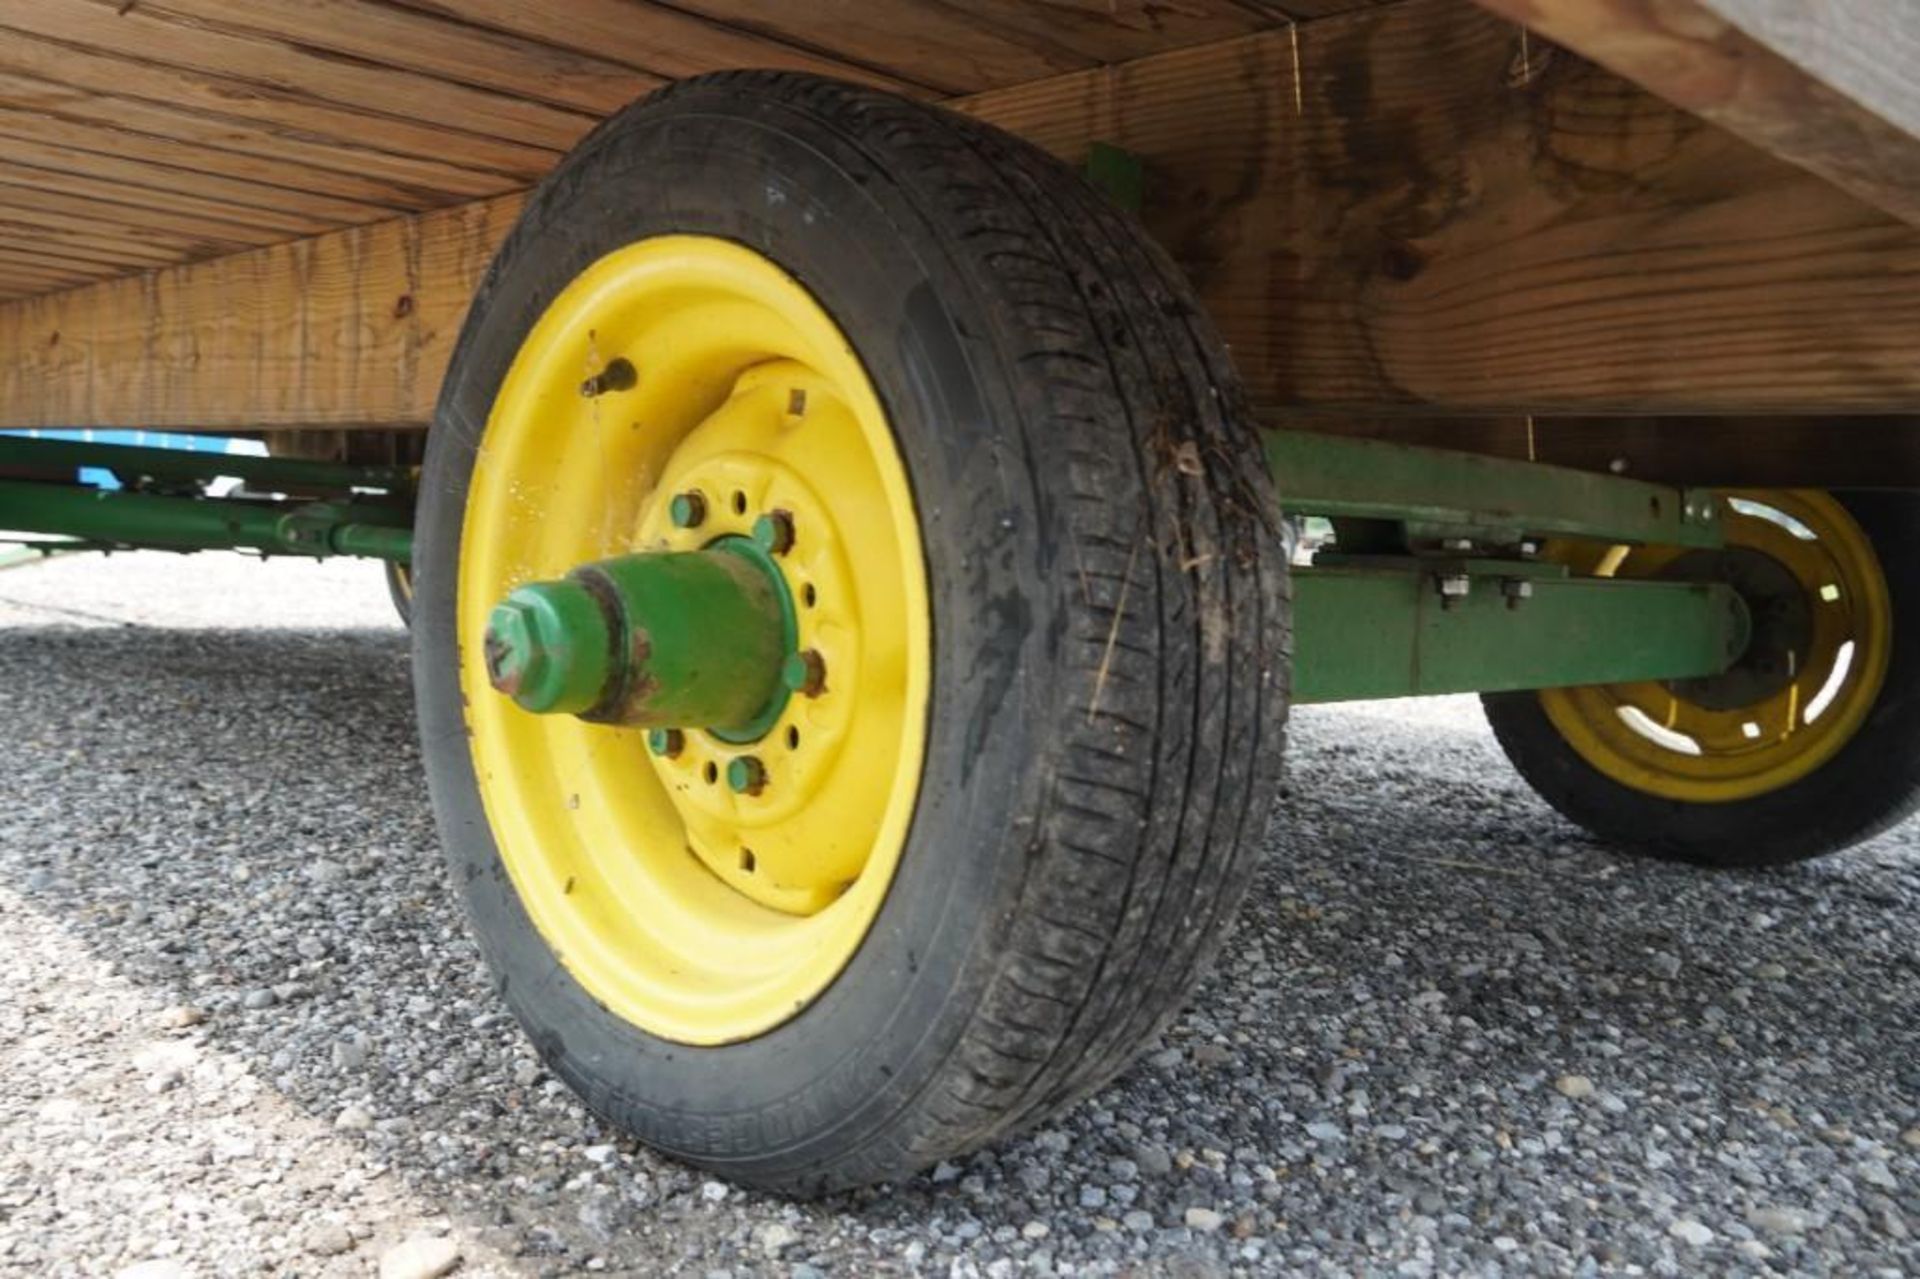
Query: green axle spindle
(657,640)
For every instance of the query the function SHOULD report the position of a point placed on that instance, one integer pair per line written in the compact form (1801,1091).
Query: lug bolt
(619,375)
(774,532)
(688,509)
(746,775)
(805,673)
(666,742)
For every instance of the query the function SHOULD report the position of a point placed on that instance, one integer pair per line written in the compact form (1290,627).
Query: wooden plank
(234,115)
(140,174)
(134,34)
(1308,10)
(103,147)
(47,278)
(1423,222)
(351,328)
(413,41)
(991,43)
(18,191)
(670,40)
(52,257)
(1828,86)
(167,245)
(274,223)
(106,248)
(1404,208)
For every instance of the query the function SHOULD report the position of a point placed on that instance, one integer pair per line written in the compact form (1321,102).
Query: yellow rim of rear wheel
(697,913)
(1654,738)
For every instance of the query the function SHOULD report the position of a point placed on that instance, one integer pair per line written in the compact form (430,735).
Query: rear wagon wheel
(1810,744)
(891,417)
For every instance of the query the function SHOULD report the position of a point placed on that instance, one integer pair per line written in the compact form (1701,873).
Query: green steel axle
(1435,584)
(110,518)
(1458,602)
(301,507)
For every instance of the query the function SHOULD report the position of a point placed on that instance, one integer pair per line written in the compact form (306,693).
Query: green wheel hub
(662,640)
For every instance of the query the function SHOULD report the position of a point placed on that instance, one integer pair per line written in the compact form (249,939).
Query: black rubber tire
(1110,609)
(1871,784)
(400,590)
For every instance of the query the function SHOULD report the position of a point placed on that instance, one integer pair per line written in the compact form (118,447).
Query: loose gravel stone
(181,1016)
(1576,1087)
(329,1239)
(1369,1083)
(421,1257)
(1203,1219)
(1778,1221)
(159,1268)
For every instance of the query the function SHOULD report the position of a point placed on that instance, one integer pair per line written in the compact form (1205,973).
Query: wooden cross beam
(1827,86)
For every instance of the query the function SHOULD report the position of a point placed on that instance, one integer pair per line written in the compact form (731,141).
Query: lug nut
(805,673)
(746,775)
(666,742)
(688,509)
(774,532)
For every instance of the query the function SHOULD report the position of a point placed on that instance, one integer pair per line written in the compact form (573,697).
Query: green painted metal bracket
(1118,174)
(1500,500)
(104,518)
(132,465)
(1374,634)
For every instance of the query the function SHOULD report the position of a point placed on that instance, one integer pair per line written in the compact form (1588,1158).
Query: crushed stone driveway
(244,1031)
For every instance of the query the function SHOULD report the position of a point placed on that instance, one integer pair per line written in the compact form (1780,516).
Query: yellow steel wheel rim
(696,913)
(1654,738)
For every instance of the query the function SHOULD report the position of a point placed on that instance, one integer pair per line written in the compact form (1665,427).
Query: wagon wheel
(1809,744)
(400,589)
(850,630)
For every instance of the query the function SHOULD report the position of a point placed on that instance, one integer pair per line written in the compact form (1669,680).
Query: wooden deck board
(1396,207)
(351,110)
(1428,219)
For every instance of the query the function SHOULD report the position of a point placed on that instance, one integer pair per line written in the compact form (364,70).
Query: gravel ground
(244,1029)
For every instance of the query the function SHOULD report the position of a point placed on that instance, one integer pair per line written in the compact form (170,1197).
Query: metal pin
(619,375)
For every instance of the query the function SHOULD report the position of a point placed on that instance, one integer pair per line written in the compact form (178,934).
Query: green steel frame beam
(1498,498)
(163,504)
(104,518)
(1370,634)
(132,464)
